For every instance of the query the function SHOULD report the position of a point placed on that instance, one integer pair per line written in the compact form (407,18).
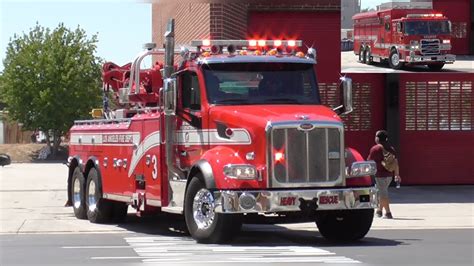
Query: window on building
(439,105)
(361,117)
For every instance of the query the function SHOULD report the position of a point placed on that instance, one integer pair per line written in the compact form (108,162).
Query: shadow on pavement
(166,225)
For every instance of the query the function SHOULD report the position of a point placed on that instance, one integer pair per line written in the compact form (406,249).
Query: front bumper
(445,58)
(271,201)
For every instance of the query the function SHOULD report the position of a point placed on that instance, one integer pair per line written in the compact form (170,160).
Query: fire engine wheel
(347,225)
(394,60)
(78,194)
(361,53)
(99,210)
(364,56)
(204,224)
(436,67)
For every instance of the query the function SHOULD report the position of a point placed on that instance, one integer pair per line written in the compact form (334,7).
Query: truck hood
(254,117)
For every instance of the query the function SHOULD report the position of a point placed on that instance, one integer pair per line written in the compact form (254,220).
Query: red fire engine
(234,132)
(403,35)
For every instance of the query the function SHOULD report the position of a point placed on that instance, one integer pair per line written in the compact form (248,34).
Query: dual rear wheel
(88,202)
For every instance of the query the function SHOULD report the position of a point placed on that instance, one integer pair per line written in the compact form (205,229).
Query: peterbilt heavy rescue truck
(410,36)
(234,133)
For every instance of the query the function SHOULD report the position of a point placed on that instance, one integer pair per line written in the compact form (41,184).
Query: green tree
(51,78)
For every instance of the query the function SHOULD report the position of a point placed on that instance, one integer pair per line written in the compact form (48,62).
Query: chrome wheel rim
(395,59)
(91,197)
(203,209)
(76,197)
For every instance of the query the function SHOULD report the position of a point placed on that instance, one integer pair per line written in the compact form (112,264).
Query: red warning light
(291,43)
(206,42)
(277,43)
(252,43)
(261,42)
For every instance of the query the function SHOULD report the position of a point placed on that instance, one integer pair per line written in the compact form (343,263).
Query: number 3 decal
(154,161)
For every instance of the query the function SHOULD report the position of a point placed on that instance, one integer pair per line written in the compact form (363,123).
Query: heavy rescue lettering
(287,201)
(331,199)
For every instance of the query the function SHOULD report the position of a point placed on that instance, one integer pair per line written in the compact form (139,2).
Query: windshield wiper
(241,101)
(283,100)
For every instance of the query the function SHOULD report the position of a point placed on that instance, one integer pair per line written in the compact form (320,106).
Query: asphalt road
(255,246)
(433,225)
(350,64)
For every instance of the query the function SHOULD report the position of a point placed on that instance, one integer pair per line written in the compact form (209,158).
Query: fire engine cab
(403,35)
(235,132)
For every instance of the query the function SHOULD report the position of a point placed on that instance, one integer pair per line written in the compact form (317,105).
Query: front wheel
(394,60)
(348,225)
(203,223)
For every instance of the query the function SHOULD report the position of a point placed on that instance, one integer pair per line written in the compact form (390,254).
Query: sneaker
(378,214)
(388,215)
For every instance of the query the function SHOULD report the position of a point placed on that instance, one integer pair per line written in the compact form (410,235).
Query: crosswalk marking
(181,249)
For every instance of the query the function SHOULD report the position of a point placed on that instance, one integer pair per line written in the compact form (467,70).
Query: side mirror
(345,106)
(169,96)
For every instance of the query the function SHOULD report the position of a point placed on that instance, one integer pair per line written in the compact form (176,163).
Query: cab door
(190,136)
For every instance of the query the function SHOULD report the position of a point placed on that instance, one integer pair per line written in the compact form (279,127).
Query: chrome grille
(430,47)
(310,157)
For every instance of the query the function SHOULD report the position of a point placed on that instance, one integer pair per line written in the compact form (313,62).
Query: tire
(394,60)
(364,57)
(436,67)
(78,194)
(343,226)
(361,51)
(209,227)
(370,61)
(99,210)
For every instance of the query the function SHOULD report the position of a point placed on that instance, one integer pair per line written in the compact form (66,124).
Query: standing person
(387,166)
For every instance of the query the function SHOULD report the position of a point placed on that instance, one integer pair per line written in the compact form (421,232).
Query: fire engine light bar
(240,171)
(248,43)
(367,168)
(424,15)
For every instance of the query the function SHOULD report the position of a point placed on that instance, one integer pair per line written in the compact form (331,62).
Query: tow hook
(308,205)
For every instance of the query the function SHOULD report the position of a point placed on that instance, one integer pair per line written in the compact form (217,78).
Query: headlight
(240,171)
(363,168)
(446,41)
(414,45)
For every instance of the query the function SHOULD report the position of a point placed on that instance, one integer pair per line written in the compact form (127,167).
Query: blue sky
(122,25)
(371,3)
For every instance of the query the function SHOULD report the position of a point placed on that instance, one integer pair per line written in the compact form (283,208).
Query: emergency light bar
(424,15)
(248,43)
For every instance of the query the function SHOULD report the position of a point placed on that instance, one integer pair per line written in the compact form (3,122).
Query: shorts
(382,184)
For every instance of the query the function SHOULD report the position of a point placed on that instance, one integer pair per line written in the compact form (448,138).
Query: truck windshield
(426,27)
(261,83)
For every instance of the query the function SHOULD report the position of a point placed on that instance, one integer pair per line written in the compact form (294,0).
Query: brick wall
(221,19)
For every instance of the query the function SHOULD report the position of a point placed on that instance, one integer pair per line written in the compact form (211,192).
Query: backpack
(389,161)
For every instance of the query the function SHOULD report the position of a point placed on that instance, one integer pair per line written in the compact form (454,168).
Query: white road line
(95,247)
(177,249)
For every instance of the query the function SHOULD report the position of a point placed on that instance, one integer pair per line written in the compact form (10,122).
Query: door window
(191,95)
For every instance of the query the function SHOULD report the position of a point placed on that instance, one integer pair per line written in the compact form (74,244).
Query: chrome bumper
(445,58)
(259,201)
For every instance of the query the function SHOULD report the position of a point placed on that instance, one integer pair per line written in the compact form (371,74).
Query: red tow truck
(402,35)
(233,133)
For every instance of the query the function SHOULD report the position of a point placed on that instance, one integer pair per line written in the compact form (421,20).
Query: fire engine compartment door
(151,161)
